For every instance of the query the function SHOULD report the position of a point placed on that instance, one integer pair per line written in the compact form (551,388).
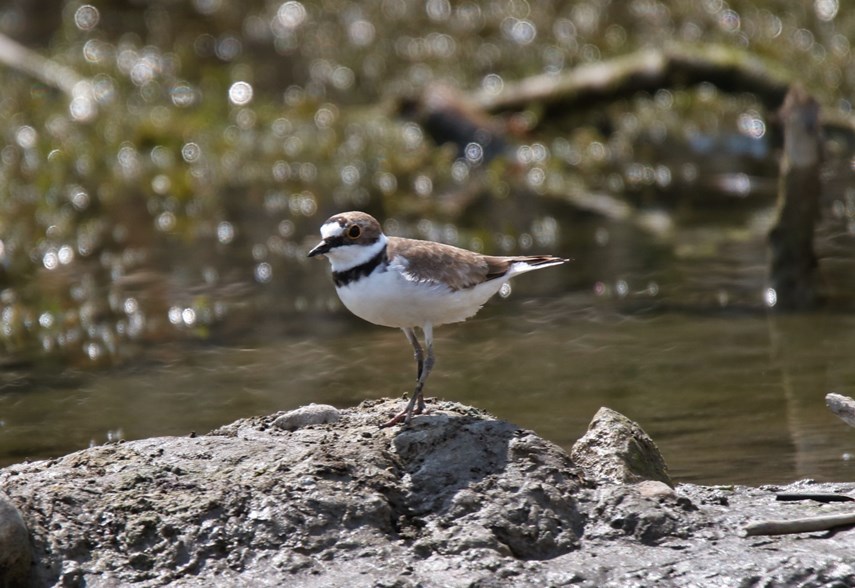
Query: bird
(412,284)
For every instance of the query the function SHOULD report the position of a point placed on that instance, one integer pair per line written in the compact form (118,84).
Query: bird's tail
(527,263)
(540,260)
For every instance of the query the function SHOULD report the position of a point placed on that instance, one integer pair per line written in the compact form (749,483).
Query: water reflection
(728,398)
(154,212)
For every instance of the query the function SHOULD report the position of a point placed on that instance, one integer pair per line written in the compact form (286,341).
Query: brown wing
(434,262)
(458,268)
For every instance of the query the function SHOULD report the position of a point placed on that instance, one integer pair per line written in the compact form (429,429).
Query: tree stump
(793,263)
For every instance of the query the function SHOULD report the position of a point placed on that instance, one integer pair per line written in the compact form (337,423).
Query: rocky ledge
(322,497)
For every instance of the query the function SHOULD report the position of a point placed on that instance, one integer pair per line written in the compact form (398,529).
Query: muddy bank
(325,498)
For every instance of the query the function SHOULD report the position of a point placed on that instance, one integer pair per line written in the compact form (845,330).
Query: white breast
(390,299)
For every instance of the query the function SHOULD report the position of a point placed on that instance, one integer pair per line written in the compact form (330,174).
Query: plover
(409,284)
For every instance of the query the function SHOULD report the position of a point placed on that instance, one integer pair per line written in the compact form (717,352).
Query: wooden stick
(817,496)
(806,525)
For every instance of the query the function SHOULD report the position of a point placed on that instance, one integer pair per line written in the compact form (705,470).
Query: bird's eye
(354,231)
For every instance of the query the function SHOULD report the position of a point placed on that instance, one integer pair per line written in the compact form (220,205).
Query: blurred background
(165,166)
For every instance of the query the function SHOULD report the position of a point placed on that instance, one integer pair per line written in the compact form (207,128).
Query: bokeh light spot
(225,232)
(240,93)
(191,152)
(86,17)
(826,10)
(474,153)
(263,272)
(770,297)
(183,95)
(291,15)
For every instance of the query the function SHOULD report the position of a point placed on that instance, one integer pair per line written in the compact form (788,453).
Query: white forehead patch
(331,229)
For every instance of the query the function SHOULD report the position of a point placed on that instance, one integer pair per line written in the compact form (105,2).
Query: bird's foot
(394,420)
(404,416)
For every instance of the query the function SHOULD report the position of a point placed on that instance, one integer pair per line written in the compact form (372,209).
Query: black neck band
(346,277)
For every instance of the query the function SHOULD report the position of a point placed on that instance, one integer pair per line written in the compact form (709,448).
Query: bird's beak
(320,248)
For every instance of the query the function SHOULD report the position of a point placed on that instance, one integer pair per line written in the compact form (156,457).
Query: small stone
(72,575)
(313,414)
(616,449)
(654,489)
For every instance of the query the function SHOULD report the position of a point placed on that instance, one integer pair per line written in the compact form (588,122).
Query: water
(153,278)
(669,328)
(728,396)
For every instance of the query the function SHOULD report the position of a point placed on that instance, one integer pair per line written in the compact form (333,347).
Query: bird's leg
(419,353)
(427,366)
(416,404)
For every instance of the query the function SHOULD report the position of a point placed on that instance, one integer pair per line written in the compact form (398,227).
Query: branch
(806,525)
(648,69)
(18,57)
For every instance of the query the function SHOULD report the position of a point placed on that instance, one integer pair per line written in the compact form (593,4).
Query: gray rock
(313,414)
(842,406)
(15,553)
(636,512)
(456,499)
(616,449)
(254,500)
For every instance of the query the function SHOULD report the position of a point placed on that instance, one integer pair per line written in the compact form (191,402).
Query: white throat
(349,256)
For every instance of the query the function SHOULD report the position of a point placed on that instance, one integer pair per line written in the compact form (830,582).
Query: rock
(472,479)
(648,511)
(842,406)
(654,489)
(15,553)
(615,449)
(313,414)
(456,499)
(254,500)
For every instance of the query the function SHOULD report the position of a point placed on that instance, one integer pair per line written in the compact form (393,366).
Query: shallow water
(729,396)
(153,278)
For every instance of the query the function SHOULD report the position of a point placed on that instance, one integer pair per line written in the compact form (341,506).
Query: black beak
(320,248)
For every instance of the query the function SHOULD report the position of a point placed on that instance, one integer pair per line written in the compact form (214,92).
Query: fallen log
(727,68)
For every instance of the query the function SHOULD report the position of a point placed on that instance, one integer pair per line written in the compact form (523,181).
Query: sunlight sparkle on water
(240,93)
(474,153)
(26,137)
(826,10)
(86,17)
(188,317)
(263,272)
(361,33)
(82,108)
(191,152)
(521,32)
(46,320)
(225,232)
(50,259)
(291,15)
(183,95)
(770,297)
(493,84)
